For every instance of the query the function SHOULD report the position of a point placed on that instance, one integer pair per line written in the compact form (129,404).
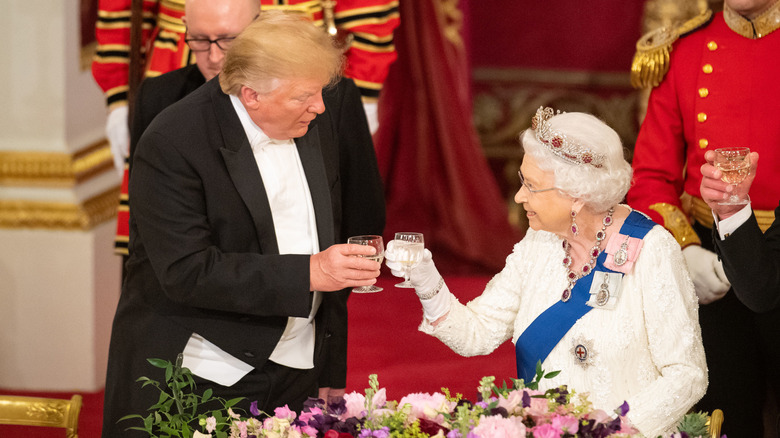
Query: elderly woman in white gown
(594,289)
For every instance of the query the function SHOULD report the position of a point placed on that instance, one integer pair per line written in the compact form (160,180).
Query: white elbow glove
(428,283)
(707,274)
(118,134)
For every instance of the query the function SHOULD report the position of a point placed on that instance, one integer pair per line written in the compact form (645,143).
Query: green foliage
(179,411)
(694,424)
(458,396)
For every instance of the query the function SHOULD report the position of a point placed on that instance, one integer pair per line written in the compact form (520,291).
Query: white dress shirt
(728,226)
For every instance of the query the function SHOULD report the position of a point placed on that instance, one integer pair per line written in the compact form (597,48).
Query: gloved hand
(426,281)
(707,274)
(118,134)
(372,115)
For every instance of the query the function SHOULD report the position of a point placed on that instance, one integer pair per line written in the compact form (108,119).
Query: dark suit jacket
(751,260)
(156,94)
(204,256)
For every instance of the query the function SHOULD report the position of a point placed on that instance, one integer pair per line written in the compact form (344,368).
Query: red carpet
(383,340)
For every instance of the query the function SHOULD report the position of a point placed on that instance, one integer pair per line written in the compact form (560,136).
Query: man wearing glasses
(211,27)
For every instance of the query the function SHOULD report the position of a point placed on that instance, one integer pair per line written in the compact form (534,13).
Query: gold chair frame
(41,411)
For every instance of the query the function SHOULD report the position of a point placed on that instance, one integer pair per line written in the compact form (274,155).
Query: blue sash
(544,333)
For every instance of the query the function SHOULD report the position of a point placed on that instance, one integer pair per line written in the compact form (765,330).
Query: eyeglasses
(530,190)
(204,44)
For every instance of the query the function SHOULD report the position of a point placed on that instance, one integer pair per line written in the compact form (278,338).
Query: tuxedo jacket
(204,256)
(157,93)
(751,260)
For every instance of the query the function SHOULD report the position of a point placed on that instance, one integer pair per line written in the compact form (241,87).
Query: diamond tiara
(559,144)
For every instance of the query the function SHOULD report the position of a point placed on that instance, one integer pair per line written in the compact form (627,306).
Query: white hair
(598,187)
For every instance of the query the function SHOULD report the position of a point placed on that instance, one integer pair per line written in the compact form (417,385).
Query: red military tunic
(162,41)
(722,89)
(368,26)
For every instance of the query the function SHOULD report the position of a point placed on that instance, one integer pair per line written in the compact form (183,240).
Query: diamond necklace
(572,276)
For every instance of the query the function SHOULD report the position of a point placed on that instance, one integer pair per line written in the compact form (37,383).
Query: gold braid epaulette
(677,223)
(651,60)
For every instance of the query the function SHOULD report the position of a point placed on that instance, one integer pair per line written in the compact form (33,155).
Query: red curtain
(437,180)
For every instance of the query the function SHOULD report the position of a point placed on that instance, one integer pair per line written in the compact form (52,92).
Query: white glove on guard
(707,274)
(118,134)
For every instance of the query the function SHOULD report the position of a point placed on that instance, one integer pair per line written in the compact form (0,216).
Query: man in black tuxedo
(240,193)
(751,258)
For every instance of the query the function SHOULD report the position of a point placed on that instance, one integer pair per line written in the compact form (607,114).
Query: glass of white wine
(378,256)
(734,163)
(409,249)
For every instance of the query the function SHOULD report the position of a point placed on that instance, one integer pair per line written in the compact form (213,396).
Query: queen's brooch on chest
(583,351)
(622,251)
(605,290)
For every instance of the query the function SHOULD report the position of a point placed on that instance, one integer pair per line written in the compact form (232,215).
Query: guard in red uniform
(365,27)
(722,89)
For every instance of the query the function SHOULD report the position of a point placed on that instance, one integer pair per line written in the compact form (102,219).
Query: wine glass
(378,256)
(409,248)
(734,163)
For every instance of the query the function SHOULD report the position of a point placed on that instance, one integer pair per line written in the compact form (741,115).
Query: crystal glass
(379,256)
(734,163)
(409,249)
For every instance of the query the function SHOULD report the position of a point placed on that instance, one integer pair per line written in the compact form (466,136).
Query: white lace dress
(646,351)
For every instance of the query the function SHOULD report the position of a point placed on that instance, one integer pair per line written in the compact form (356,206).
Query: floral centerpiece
(515,410)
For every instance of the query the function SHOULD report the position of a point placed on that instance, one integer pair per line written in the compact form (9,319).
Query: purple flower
(253,408)
(455,433)
(381,433)
(526,399)
(623,409)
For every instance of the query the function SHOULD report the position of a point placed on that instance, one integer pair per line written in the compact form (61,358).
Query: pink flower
(546,430)
(379,400)
(306,416)
(428,406)
(240,428)
(626,427)
(355,406)
(539,410)
(566,423)
(498,427)
(233,414)
(599,416)
(211,424)
(197,434)
(284,413)
(513,403)
(308,430)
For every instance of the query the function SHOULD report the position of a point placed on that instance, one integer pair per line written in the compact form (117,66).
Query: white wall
(58,288)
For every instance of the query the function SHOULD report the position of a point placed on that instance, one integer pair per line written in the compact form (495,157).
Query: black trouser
(743,358)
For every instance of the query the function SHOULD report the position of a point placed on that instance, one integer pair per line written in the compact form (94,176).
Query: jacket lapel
(241,165)
(314,167)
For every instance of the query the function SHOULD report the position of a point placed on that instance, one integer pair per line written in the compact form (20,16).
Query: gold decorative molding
(59,215)
(52,169)
(591,79)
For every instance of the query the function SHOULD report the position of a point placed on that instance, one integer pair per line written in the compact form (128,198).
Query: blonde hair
(598,187)
(279,45)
